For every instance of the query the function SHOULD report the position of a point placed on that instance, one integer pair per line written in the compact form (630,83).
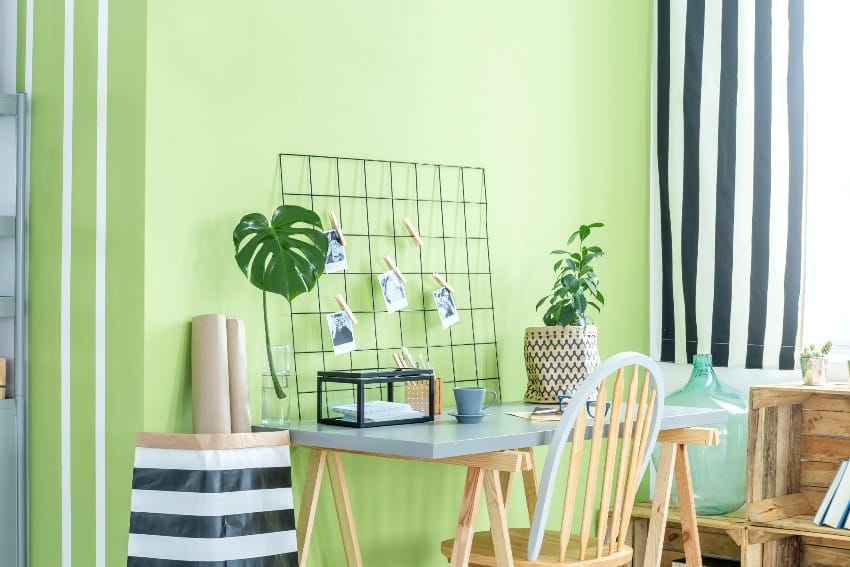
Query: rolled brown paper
(2,378)
(237,362)
(210,375)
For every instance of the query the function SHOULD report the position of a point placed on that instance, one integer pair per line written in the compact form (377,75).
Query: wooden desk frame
(494,472)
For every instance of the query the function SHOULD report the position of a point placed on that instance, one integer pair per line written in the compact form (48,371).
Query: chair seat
(483,553)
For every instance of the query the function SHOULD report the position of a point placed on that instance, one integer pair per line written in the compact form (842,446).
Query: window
(826,295)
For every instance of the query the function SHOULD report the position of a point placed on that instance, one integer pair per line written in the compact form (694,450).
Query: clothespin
(344,306)
(409,357)
(399,361)
(336,227)
(391,265)
(412,230)
(442,282)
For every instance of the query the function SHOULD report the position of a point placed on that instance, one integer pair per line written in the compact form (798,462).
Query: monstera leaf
(285,256)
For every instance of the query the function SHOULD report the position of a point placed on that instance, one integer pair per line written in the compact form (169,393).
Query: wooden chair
(619,464)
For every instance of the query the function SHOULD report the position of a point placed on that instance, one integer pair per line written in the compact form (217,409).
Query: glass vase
(275,409)
(719,473)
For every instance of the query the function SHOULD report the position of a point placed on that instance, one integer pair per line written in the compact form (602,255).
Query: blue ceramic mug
(470,400)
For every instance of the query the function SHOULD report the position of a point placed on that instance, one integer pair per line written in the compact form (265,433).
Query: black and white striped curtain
(212,500)
(727,185)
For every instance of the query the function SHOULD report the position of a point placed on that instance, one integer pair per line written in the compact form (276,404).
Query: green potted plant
(285,256)
(813,363)
(559,356)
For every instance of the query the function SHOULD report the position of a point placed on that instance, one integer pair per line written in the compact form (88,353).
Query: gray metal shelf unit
(14,504)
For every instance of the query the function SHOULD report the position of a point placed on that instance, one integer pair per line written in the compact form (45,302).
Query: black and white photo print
(392,288)
(446,307)
(342,332)
(336,260)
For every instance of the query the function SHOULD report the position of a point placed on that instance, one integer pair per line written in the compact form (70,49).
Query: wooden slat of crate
(834,422)
(713,542)
(802,525)
(817,556)
(817,473)
(825,449)
(719,536)
(733,521)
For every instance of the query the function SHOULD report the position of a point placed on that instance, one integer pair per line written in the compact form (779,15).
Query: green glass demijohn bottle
(719,473)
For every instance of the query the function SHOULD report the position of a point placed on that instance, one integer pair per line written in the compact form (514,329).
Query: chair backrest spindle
(642,443)
(610,458)
(572,483)
(593,465)
(625,451)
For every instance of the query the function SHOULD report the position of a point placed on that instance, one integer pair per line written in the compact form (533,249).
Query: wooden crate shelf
(720,536)
(798,435)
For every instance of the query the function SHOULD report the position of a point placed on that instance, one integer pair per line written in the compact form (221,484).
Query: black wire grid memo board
(448,206)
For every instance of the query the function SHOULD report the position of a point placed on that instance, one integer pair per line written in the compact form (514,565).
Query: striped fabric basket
(218,500)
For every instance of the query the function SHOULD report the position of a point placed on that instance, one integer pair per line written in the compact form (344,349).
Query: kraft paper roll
(2,378)
(240,406)
(210,375)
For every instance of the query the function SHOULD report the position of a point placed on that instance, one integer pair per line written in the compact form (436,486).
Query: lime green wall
(553,101)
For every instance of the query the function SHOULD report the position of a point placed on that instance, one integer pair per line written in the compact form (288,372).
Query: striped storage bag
(216,500)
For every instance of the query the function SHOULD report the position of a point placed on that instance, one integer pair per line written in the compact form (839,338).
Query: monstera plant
(285,256)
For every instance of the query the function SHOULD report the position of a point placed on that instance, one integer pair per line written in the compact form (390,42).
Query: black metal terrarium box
(372,398)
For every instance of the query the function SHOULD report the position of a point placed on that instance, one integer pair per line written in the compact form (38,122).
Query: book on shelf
(836,502)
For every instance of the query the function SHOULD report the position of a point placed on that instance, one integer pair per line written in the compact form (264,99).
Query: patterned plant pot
(557,361)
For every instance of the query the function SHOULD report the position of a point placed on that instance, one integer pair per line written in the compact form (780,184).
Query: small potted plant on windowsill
(559,356)
(813,364)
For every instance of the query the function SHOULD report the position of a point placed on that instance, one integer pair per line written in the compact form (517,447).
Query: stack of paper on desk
(378,410)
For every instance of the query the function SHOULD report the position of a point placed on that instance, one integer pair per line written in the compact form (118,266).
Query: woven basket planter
(557,360)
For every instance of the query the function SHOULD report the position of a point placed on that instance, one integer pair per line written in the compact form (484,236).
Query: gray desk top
(446,438)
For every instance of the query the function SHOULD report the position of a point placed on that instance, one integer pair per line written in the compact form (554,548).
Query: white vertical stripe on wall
(28,41)
(65,278)
(654,202)
(678,17)
(709,120)
(778,184)
(743,183)
(100,286)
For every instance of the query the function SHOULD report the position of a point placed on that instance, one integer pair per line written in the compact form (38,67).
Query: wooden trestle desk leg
(687,510)
(660,502)
(319,458)
(309,498)
(339,487)
(466,519)
(498,519)
(529,483)
(674,461)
